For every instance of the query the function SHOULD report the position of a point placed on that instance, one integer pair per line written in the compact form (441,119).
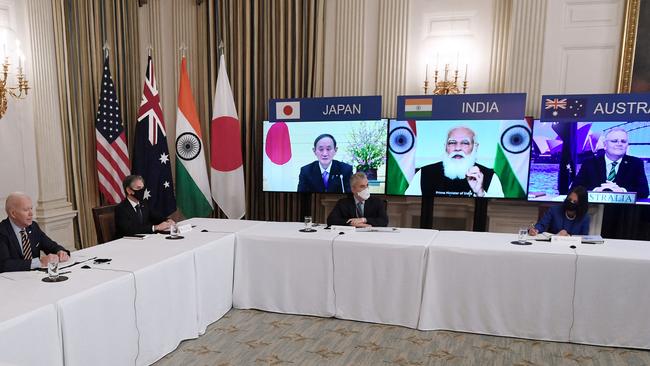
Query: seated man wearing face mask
(359,209)
(133,215)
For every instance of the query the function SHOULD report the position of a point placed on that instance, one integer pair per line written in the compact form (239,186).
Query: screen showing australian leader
(598,141)
(315,145)
(460,146)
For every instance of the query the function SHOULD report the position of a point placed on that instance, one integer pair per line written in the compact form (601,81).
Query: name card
(183,229)
(612,197)
(569,240)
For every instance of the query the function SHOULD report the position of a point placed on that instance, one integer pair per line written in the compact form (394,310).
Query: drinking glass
(173,230)
(308,222)
(522,234)
(53,268)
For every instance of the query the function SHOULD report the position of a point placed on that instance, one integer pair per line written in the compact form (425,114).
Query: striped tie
(612,172)
(27,247)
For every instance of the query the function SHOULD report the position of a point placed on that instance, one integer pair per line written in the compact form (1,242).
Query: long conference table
(157,292)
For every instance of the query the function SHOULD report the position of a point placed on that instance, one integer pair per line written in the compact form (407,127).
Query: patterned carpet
(250,337)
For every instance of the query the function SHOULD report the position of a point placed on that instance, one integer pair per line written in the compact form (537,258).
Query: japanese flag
(287,110)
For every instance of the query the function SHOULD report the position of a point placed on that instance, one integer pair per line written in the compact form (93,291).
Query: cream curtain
(273,49)
(82,27)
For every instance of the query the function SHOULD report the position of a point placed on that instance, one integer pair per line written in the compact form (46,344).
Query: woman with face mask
(570,218)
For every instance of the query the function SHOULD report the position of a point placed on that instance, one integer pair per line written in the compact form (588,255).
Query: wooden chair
(104,217)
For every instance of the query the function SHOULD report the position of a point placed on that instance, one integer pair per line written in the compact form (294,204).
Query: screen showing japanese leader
(320,156)
(459,158)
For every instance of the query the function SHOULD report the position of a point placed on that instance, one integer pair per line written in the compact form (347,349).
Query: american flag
(112,154)
(150,151)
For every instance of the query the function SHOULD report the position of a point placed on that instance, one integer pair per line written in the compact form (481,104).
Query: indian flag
(192,185)
(511,162)
(418,107)
(401,156)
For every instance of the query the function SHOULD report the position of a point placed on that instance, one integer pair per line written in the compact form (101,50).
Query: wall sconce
(19,91)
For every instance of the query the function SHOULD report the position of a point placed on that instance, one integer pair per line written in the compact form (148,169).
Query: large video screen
(456,158)
(569,154)
(321,156)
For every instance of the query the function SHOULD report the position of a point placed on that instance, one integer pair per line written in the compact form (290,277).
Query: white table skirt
(378,276)
(282,270)
(480,283)
(30,338)
(612,304)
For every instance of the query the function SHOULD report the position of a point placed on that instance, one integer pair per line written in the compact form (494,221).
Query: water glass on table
(173,230)
(53,268)
(308,223)
(522,234)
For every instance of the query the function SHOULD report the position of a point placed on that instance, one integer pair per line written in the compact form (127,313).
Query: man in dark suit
(359,209)
(325,174)
(614,170)
(459,174)
(133,215)
(21,239)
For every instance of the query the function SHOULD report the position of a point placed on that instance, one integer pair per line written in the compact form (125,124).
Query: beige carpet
(249,337)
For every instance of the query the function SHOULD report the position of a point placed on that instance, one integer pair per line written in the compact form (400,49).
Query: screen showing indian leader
(321,156)
(600,142)
(469,145)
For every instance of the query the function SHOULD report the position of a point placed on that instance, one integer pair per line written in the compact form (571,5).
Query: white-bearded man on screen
(458,174)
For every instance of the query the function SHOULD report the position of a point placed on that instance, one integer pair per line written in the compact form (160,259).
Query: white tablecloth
(612,304)
(167,281)
(29,330)
(279,269)
(480,283)
(378,276)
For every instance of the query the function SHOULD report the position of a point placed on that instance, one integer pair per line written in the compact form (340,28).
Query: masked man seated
(359,209)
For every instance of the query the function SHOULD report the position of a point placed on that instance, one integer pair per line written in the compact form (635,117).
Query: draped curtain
(82,28)
(273,49)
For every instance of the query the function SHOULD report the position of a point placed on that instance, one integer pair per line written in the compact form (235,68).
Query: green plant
(368,146)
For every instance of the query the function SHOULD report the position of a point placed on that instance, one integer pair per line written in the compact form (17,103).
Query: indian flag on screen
(401,156)
(418,107)
(513,153)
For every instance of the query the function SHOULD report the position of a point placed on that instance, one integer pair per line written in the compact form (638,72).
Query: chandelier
(447,85)
(19,91)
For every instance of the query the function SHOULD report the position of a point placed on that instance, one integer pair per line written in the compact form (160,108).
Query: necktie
(27,247)
(138,209)
(325,179)
(359,209)
(612,172)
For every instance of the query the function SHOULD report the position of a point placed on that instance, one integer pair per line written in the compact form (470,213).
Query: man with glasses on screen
(458,174)
(325,174)
(614,171)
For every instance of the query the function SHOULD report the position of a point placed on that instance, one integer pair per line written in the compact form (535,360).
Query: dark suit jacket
(374,211)
(127,221)
(11,252)
(311,180)
(630,175)
(433,179)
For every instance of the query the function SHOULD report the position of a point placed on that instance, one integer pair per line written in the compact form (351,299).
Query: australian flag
(151,154)
(564,108)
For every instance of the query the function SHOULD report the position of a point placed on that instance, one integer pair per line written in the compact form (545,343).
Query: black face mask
(570,206)
(139,194)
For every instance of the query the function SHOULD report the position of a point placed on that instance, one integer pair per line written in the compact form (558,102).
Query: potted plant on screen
(368,149)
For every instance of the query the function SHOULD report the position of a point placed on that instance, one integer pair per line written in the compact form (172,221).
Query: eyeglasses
(463,143)
(617,141)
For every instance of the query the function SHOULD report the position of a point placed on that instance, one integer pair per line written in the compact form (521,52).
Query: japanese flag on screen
(287,110)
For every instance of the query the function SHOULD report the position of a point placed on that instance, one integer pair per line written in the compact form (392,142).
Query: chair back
(104,217)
